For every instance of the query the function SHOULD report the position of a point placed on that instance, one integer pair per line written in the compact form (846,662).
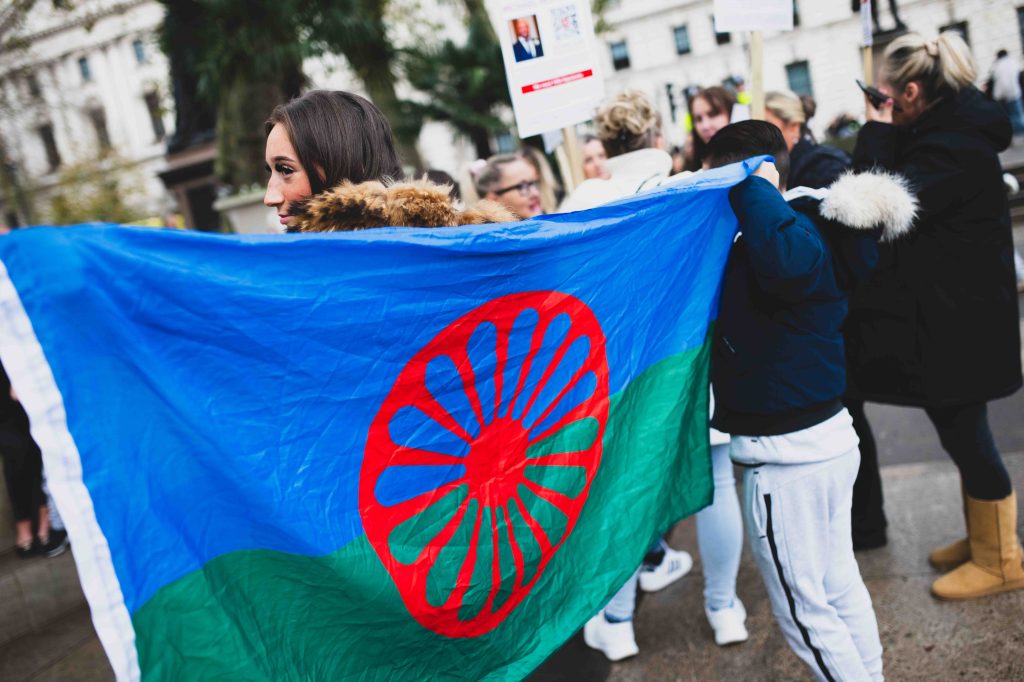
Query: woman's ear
(912,91)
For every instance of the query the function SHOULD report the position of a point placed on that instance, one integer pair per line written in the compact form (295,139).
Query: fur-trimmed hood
(866,201)
(418,203)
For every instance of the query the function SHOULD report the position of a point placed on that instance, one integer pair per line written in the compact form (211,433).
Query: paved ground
(924,639)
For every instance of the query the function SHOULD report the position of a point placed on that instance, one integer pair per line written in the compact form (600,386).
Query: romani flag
(400,453)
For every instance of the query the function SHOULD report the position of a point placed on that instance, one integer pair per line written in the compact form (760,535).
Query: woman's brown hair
(719,101)
(338,136)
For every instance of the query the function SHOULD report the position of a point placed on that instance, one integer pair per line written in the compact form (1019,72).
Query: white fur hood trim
(869,200)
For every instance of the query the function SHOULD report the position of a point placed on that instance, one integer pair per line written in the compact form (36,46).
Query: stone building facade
(663,46)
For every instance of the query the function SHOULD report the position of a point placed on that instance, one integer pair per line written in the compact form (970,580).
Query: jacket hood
(873,200)
(867,201)
(370,204)
(969,111)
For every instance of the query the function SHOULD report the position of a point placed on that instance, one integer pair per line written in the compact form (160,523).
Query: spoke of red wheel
(433,409)
(495,563)
(580,458)
(517,553)
(535,528)
(584,409)
(501,355)
(536,341)
(468,564)
(404,511)
(465,369)
(403,456)
(428,556)
(561,502)
(571,384)
(570,339)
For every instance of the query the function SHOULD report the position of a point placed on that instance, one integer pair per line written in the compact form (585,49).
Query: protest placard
(753,15)
(550,56)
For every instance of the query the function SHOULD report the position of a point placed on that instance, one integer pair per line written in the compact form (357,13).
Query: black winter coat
(937,323)
(816,165)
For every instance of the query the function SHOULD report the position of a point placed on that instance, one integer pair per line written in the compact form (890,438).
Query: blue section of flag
(219,388)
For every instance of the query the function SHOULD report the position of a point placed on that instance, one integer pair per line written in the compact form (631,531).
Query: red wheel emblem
(481,457)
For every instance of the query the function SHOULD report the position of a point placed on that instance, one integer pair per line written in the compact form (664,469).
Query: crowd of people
(886,275)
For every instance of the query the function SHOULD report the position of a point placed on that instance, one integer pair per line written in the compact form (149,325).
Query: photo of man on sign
(526,43)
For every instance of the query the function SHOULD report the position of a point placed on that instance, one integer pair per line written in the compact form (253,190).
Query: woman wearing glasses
(511,181)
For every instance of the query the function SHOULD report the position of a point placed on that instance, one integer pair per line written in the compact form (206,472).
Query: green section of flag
(265,615)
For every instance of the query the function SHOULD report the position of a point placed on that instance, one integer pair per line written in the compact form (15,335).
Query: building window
(32,85)
(83,68)
(796,13)
(140,50)
(720,38)
(799,76)
(682,39)
(1020,24)
(620,55)
(50,144)
(959,27)
(99,123)
(155,117)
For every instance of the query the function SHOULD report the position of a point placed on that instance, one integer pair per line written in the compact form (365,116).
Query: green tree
(248,54)
(103,190)
(464,84)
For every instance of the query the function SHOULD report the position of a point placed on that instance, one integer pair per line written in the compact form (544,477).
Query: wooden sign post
(756,75)
(867,41)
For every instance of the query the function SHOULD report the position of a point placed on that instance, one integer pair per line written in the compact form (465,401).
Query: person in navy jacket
(778,373)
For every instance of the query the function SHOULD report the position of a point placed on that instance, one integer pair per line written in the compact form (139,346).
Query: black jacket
(937,323)
(816,165)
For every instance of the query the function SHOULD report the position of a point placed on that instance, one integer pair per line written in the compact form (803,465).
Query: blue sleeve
(787,255)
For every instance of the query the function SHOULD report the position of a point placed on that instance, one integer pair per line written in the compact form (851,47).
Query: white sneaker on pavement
(728,623)
(673,566)
(615,640)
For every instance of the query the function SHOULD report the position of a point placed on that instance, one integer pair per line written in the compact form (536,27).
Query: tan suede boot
(995,564)
(950,556)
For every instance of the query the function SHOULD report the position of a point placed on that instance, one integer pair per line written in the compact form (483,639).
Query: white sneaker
(728,623)
(615,640)
(673,566)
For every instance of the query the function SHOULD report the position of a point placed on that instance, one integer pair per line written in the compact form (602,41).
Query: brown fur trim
(487,212)
(372,204)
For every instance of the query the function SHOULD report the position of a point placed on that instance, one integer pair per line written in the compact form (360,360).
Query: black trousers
(965,436)
(868,513)
(23,469)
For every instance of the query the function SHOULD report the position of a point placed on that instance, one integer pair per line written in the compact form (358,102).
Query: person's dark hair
(720,100)
(1001,54)
(338,136)
(439,177)
(739,141)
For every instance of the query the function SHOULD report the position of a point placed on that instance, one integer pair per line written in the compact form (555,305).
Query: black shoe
(25,551)
(55,545)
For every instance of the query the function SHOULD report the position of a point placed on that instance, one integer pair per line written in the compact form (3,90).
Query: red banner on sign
(561,80)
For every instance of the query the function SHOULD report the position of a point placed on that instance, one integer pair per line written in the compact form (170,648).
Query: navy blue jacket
(778,363)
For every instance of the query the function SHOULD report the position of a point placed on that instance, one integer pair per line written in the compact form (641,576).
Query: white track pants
(798,522)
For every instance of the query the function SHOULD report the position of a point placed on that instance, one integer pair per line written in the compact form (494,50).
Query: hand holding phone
(877,97)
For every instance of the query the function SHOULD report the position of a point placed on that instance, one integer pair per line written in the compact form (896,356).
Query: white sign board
(551,61)
(867,34)
(753,15)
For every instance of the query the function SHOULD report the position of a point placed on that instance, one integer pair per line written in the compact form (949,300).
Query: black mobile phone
(876,96)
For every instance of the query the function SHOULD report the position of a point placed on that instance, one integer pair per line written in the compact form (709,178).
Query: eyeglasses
(523,187)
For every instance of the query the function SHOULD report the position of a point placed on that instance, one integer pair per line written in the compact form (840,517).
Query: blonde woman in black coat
(937,324)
